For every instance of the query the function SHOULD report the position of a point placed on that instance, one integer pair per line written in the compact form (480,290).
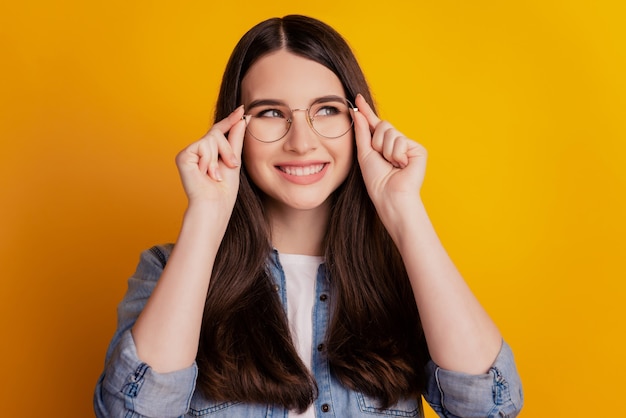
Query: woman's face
(301,170)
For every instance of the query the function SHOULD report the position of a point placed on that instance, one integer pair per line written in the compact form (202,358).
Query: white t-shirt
(300,277)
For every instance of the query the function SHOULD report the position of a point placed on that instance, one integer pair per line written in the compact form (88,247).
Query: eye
(270,113)
(327,110)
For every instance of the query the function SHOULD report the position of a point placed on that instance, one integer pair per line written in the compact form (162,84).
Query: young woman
(307,279)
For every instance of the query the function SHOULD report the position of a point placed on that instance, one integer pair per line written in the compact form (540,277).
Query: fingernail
(215,174)
(235,161)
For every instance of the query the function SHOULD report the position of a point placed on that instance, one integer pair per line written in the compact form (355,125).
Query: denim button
(325,407)
(323,297)
(320,347)
(276,288)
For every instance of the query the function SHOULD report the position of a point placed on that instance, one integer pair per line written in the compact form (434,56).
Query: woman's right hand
(209,168)
(167,331)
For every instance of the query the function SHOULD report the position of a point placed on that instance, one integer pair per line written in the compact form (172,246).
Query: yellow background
(520,104)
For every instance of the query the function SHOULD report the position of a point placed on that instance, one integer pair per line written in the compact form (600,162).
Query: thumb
(366,110)
(363,136)
(235,137)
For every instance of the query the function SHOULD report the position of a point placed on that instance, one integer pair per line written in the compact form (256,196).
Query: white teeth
(302,171)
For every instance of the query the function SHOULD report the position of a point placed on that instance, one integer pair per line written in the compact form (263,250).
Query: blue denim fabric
(130,388)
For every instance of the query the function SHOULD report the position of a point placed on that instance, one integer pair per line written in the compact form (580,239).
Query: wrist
(407,223)
(203,222)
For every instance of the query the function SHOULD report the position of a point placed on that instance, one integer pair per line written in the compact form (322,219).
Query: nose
(301,137)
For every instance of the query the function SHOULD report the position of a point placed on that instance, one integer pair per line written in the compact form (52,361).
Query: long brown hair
(375,343)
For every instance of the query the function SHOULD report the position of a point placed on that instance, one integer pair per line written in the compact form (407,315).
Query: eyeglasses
(269,120)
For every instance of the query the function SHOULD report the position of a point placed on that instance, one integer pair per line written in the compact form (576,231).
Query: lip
(302,179)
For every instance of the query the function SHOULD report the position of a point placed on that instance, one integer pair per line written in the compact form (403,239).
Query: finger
(382,131)
(208,154)
(416,150)
(229,121)
(229,150)
(215,145)
(188,156)
(366,110)
(395,147)
(399,157)
(196,158)
(389,138)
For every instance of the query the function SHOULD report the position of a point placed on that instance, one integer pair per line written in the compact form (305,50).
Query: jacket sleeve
(128,387)
(497,393)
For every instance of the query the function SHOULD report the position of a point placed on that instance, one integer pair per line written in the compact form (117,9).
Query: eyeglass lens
(329,117)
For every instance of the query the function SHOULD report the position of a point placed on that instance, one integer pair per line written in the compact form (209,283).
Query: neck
(296,231)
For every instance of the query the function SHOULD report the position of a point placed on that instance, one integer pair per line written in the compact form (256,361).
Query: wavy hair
(375,344)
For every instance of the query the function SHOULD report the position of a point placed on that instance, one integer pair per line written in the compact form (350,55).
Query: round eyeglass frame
(309,120)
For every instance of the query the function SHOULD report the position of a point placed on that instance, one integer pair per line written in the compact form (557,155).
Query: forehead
(293,79)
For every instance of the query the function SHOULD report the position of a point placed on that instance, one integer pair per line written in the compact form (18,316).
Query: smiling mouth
(302,171)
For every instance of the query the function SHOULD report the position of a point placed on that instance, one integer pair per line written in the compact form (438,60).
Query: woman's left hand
(393,165)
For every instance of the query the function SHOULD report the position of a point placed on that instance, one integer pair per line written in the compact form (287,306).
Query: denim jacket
(132,389)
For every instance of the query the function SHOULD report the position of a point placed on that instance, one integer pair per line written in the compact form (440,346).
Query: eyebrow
(275,102)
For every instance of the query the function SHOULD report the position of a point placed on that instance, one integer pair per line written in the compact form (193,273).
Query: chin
(310,205)
(307,203)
